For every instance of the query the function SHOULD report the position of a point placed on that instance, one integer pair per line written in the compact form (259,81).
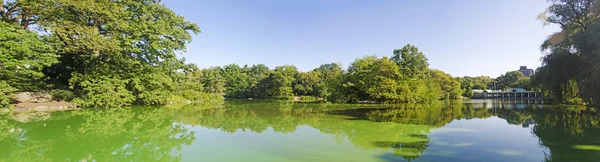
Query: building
(525,71)
(512,93)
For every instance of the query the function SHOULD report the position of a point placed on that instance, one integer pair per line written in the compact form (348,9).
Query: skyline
(466,38)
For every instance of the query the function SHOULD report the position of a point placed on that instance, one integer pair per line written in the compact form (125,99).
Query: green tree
(328,75)
(257,77)
(5,91)
(306,83)
(570,68)
(214,82)
(23,55)
(512,79)
(104,92)
(377,79)
(449,87)
(98,42)
(236,81)
(411,61)
(279,83)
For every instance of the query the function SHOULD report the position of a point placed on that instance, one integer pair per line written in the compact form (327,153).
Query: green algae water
(475,130)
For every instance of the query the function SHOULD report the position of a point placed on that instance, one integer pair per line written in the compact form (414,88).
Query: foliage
(327,74)
(62,95)
(280,81)
(451,88)
(410,60)
(377,79)
(23,54)
(512,79)
(213,81)
(406,78)
(571,68)
(236,81)
(306,83)
(5,91)
(104,92)
(130,45)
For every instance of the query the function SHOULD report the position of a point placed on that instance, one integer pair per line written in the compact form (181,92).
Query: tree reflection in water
(150,134)
(95,135)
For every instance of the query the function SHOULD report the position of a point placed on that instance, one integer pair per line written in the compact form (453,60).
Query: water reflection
(105,135)
(401,132)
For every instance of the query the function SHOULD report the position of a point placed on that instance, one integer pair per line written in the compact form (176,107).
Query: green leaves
(570,69)
(103,92)
(23,55)
(5,90)
(111,52)
(410,60)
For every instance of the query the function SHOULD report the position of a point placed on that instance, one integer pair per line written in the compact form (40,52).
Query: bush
(62,95)
(104,92)
(5,91)
(575,101)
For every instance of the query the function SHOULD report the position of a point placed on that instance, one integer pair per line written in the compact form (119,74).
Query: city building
(525,71)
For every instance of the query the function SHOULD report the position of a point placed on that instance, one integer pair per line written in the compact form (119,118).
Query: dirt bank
(37,101)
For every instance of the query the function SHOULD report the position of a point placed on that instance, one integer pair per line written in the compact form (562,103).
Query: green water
(478,130)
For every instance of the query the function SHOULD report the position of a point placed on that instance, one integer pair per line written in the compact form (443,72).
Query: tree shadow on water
(356,114)
(408,151)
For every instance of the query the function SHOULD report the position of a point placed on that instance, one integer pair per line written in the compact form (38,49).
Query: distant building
(512,93)
(525,71)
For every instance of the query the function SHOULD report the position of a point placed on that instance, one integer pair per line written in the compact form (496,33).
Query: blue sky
(460,37)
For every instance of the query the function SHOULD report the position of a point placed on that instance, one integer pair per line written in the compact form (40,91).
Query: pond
(471,130)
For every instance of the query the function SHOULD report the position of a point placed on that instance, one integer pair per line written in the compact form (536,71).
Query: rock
(40,108)
(29,117)
(33,97)
(48,106)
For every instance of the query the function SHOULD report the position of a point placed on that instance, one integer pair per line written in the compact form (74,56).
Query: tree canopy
(571,66)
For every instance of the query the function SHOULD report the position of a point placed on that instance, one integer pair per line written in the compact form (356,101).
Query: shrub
(62,95)
(5,91)
(104,92)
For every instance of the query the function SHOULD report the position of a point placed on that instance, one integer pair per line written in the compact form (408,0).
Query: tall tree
(572,55)
(23,55)
(410,60)
(132,41)
(213,80)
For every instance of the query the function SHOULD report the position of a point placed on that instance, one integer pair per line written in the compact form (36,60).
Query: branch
(578,16)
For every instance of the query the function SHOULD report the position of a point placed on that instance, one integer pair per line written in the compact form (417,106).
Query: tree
(213,80)
(377,79)
(411,61)
(511,79)
(23,55)
(133,41)
(328,74)
(570,68)
(449,87)
(306,83)
(279,82)
(5,91)
(257,76)
(236,81)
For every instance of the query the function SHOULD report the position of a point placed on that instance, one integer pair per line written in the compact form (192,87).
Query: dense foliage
(571,66)
(403,78)
(109,53)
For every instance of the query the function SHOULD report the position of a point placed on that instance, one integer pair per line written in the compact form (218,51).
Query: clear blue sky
(461,37)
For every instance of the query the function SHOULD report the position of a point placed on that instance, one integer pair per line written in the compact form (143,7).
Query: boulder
(32,97)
